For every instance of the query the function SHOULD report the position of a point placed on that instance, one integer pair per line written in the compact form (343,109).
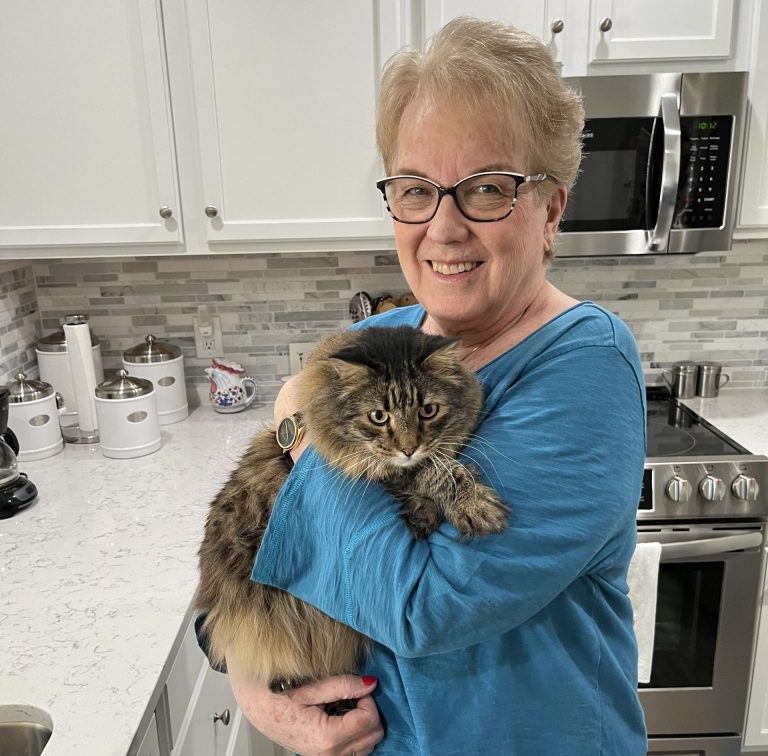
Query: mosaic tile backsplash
(701,307)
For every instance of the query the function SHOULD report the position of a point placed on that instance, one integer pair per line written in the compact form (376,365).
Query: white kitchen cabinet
(753,219)
(150,745)
(284,102)
(87,155)
(587,36)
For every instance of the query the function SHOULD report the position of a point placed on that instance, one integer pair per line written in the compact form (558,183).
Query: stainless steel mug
(682,382)
(710,379)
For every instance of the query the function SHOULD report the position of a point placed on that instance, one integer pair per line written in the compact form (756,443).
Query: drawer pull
(223,717)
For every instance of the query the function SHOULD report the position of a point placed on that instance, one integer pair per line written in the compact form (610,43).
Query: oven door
(708,598)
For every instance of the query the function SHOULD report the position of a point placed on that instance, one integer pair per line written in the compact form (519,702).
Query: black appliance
(16,490)
(705,499)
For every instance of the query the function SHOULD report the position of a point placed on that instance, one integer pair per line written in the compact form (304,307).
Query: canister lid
(57,341)
(25,389)
(124,387)
(152,350)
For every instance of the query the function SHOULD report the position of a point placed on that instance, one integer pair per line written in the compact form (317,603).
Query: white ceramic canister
(126,408)
(163,364)
(34,417)
(53,361)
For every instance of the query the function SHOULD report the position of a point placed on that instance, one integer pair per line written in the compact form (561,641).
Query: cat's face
(389,401)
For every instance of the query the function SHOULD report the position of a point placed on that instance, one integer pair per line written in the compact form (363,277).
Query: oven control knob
(678,489)
(712,488)
(745,487)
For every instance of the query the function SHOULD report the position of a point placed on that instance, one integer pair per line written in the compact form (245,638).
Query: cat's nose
(408,451)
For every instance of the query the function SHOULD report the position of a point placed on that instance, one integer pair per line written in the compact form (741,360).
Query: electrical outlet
(298,353)
(208,339)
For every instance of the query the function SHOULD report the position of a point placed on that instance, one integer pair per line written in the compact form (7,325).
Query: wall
(707,306)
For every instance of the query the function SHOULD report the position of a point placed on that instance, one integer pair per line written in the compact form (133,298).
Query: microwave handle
(710,546)
(670,172)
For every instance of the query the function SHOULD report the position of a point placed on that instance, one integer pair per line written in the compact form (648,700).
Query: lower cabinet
(200,713)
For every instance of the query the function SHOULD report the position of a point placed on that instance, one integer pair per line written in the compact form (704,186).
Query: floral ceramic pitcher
(231,389)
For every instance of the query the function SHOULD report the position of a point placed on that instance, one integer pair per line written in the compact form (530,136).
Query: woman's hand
(297,720)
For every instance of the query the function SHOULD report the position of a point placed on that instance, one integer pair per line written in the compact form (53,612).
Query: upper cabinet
(249,125)
(753,220)
(88,152)
(586,37)
(284,105)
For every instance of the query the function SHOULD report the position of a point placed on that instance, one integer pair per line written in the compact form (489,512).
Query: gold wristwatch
(289,433)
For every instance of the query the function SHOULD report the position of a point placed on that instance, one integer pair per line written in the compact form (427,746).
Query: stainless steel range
(705,498)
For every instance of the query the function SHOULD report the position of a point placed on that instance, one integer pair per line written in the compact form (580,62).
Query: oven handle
(710,546)
(670,173)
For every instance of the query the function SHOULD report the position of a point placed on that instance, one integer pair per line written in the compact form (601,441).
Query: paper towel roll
(81,364)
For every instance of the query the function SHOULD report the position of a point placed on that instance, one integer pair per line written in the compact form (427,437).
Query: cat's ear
(445,356)
(348,371)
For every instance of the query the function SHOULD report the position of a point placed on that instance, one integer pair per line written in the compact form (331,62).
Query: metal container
(682,380)
(34,417)
(163,364)
(53,361)
(710,379)
(129,425)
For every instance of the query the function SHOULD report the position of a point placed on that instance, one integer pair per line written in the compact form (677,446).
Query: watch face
(286,432)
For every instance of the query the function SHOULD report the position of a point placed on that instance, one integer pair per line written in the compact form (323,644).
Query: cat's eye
(378,416)
(428,410)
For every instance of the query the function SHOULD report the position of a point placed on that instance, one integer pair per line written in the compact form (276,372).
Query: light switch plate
(298,353)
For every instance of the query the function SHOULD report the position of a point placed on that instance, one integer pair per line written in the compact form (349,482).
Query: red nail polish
(369,679)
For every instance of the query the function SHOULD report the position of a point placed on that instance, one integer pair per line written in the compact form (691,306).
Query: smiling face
(472,278)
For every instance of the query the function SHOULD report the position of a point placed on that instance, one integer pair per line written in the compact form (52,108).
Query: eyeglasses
(481,197)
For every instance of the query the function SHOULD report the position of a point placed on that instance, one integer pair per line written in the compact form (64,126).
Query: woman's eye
(428,410)
(487,189)
(378,416)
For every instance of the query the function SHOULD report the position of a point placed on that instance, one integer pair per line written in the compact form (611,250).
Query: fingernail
(369,679)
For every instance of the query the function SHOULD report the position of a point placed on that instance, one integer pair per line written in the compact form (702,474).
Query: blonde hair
(489,68)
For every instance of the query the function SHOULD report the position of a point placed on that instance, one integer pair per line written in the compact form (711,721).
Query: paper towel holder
(74,434)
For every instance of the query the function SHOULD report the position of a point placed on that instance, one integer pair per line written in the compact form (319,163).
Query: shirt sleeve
(564,446)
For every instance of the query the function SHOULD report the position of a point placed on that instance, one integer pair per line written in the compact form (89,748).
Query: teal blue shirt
(519,644)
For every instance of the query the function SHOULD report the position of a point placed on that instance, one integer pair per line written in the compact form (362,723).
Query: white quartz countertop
(741,414)
(98,575)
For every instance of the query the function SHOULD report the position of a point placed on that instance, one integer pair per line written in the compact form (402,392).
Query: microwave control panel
(703,187)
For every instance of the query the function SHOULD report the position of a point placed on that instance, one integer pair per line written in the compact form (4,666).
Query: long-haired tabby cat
(393,405)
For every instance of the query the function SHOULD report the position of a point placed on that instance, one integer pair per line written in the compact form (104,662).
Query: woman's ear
(555,208)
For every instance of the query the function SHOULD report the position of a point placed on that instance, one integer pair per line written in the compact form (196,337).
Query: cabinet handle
(606,24)
(223,717)
(211,211)
(557,26)
(165,212)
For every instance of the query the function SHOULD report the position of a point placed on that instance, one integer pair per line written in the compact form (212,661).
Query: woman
(521,643)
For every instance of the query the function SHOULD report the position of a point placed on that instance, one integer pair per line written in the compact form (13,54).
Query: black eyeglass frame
(442,191)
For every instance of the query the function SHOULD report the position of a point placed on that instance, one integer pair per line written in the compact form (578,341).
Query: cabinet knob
(557,26)
(606,24)
(165,212)
(223,717)
(211,211)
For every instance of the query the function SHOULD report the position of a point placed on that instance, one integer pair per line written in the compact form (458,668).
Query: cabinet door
(654,29)
(754,193)
(285,99)
(150,745)
(539,17)
(85,127)
(756,727)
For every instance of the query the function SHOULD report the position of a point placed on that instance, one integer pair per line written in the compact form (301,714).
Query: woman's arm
(563,451)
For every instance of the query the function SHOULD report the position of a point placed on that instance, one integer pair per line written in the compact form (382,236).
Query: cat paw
(421,523)
(482,514)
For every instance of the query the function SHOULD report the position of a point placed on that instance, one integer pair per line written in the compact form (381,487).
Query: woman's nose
(448,225)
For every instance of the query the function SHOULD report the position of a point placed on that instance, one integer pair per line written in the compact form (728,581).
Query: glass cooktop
(674,430)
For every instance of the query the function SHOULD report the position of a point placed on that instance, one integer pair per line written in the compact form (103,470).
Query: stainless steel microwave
(660,167)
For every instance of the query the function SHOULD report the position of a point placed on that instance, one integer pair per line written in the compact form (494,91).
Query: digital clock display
(707,125)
